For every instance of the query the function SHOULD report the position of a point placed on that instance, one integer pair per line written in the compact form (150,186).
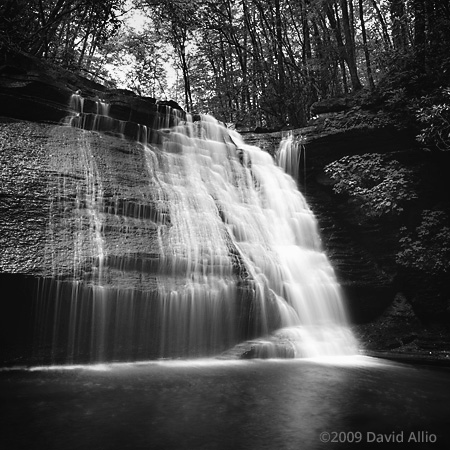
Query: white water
(222,194)
(291,155)
(239,255)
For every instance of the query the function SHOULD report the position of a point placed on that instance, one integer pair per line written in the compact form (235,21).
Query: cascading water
(291,155)
(213,246)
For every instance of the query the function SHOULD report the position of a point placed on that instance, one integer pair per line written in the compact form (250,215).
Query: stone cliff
(393,310)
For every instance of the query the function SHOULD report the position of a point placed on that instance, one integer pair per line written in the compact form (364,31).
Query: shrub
(427,248)
(381,186)
(434,116)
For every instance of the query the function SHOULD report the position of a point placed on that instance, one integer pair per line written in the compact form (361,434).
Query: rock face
(36,155)
(37,168)
(50,180)
(329,106)
(82,220)
(56,182)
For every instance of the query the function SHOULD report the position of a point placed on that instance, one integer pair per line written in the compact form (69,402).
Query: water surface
(212,404)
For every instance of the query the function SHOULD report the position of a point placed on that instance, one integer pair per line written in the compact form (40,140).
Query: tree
(253,62)
(365,46)
(67,32)
(141,58)
(350,56)
(399,20)
(176,22)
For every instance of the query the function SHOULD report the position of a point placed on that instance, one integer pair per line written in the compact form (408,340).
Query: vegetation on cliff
(427,247)
(376,183)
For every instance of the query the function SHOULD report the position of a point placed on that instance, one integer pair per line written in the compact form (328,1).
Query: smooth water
(211,404)
(214,246)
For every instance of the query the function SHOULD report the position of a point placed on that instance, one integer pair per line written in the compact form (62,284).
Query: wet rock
(170,103)
(271,347)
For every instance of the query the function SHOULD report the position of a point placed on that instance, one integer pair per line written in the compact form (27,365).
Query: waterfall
(210,246)
(291,155)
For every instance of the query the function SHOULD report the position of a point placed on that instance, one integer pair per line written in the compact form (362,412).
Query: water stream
(212,248)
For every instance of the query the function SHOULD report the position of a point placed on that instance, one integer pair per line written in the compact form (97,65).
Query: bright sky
(134,18)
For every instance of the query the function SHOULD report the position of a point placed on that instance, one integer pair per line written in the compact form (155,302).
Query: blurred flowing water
(185,245)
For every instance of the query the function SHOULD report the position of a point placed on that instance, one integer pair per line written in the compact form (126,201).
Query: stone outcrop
(362,252)
(45,219)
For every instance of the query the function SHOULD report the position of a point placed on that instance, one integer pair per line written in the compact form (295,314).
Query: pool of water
(212,404)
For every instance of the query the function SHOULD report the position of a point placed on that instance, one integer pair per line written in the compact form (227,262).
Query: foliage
(139,57)
(254,62)
(65,32)
(176,23)
(381,186)
(427,247)
(435,120)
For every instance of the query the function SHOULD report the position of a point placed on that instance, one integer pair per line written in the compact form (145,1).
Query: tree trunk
(306,50)
(387,39)
(419,32)
(399,26)
(343,57)
(366,49)
(320,79)
(279,34)
(186,79)
(349,46)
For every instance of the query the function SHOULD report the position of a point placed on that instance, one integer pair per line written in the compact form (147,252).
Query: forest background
(253,63)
